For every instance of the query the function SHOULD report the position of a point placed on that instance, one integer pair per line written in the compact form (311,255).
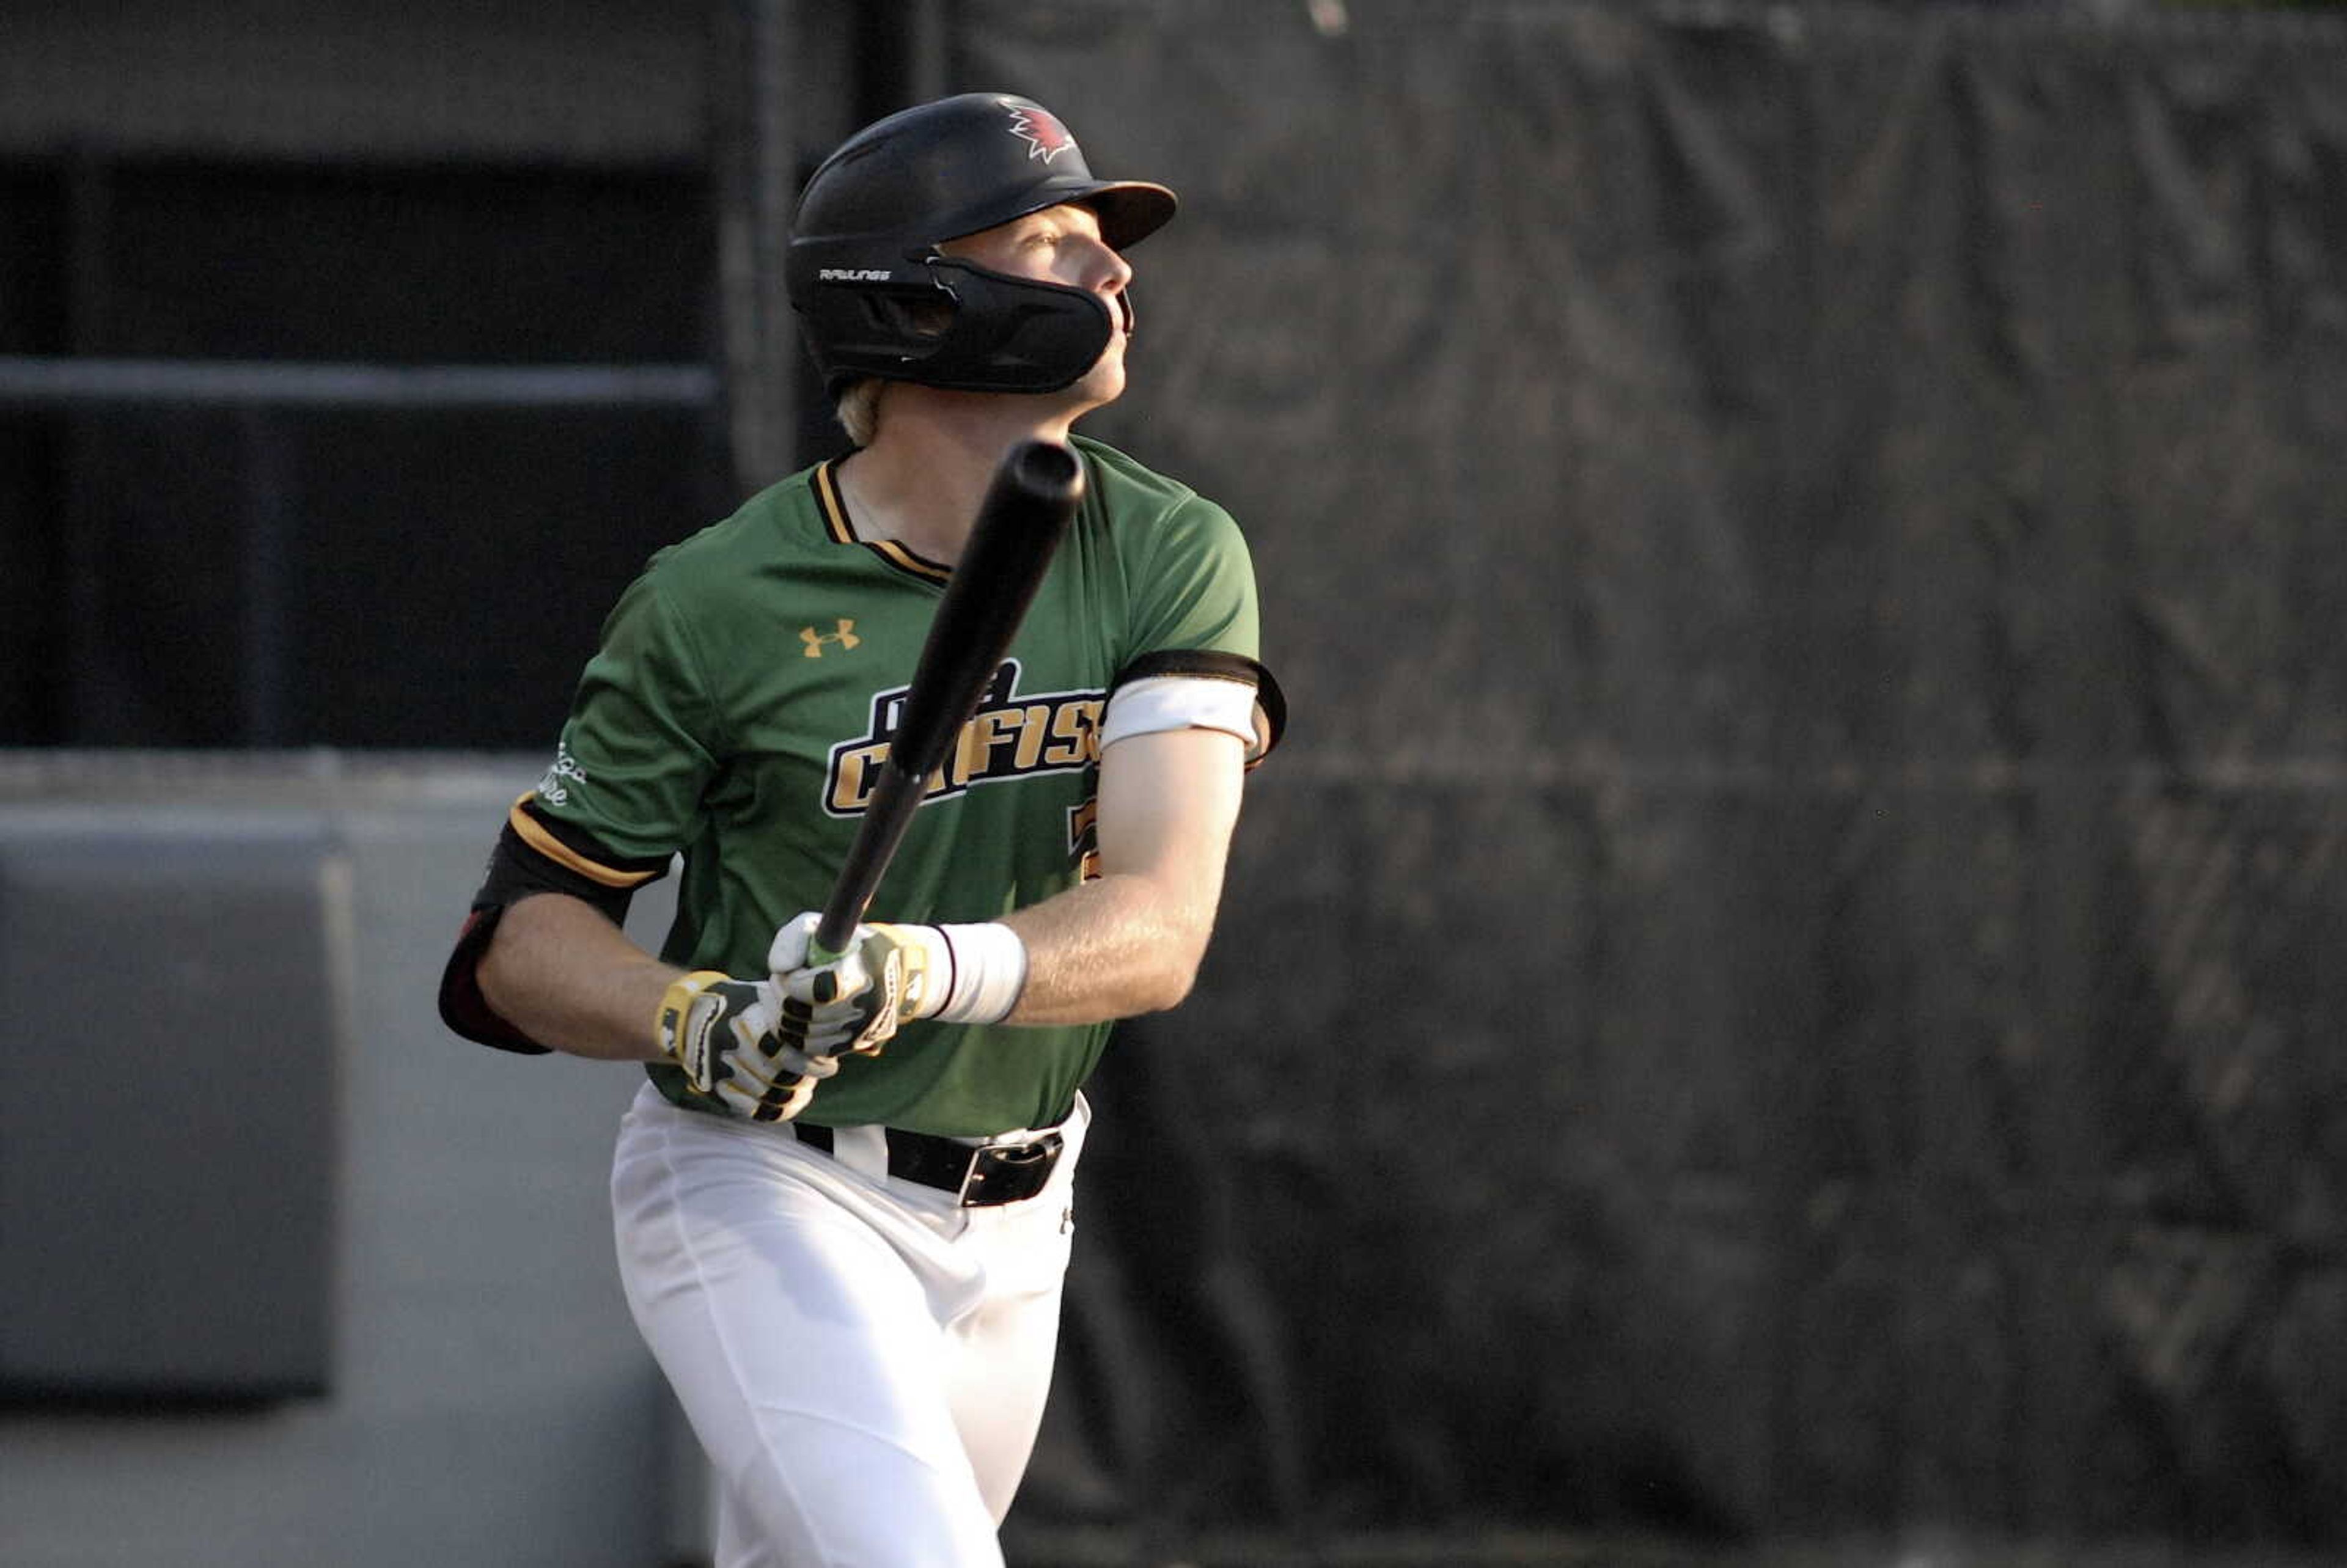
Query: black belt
(980,1175)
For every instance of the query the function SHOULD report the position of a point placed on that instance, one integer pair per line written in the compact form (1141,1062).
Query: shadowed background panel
(1785,979)
(169,1195)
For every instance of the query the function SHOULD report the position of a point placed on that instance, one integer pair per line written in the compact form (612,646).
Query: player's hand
(722,1032)
(856,1002)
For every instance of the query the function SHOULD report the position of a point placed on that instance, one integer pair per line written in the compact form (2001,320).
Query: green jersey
(742,699)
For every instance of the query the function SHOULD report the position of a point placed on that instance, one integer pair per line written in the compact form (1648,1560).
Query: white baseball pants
(865,1362)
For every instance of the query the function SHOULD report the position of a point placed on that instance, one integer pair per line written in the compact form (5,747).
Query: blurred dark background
(1779,1004)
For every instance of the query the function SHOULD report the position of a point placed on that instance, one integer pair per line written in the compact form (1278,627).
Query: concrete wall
(602,80)
(489,1404)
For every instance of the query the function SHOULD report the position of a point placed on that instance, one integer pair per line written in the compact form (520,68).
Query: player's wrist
(973,973)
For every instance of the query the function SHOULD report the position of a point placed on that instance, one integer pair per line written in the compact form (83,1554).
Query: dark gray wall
(1788,978)
(489,1403)
(603,81)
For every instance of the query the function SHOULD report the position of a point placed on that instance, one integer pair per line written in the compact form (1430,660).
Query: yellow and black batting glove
(724,1033)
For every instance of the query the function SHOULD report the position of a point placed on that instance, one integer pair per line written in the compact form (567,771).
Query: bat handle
(832,935)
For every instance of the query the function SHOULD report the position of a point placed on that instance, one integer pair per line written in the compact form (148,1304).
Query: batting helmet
(875,298)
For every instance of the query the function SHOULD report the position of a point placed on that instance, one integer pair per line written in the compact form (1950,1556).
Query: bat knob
(1044,468)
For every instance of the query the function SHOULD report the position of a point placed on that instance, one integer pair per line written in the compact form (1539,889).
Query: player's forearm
(1113,947)
(572,980)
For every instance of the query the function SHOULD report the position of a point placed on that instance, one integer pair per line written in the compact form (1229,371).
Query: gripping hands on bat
(890,975)
(764,1047)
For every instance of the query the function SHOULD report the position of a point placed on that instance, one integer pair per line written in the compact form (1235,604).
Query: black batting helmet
(873,296)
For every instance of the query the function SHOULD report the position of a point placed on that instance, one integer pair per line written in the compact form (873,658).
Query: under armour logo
(846,636)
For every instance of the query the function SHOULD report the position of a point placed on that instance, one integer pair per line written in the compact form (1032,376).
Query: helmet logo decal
(1045,137)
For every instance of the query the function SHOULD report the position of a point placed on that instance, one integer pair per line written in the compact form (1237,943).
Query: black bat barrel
(1028,505)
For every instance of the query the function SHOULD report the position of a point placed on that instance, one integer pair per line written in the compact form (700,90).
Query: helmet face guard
(873,296)
(943,322)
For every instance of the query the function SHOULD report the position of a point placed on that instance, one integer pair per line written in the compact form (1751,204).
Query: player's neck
(921,481)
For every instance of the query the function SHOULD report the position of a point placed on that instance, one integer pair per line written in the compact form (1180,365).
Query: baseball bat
(1028,505)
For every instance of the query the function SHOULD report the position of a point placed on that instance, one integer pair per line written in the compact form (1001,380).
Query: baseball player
(843,1199)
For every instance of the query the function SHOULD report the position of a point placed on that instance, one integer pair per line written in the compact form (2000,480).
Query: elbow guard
(534,854)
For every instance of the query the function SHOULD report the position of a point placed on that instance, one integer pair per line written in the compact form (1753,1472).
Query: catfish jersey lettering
(1009,737)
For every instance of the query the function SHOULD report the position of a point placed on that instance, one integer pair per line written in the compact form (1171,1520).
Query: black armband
(534,854)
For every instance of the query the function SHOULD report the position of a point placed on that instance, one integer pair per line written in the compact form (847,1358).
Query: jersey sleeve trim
(1265,725)
(555,841)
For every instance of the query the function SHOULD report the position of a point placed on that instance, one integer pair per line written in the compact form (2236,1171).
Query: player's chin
(1104,382)
(1099,386)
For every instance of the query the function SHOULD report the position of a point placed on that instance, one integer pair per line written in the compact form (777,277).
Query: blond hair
(858,409)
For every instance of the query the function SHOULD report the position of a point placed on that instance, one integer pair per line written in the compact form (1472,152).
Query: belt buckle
(989,1161)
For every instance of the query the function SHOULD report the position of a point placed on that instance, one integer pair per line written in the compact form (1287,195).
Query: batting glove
(722,1032)
(889,976)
